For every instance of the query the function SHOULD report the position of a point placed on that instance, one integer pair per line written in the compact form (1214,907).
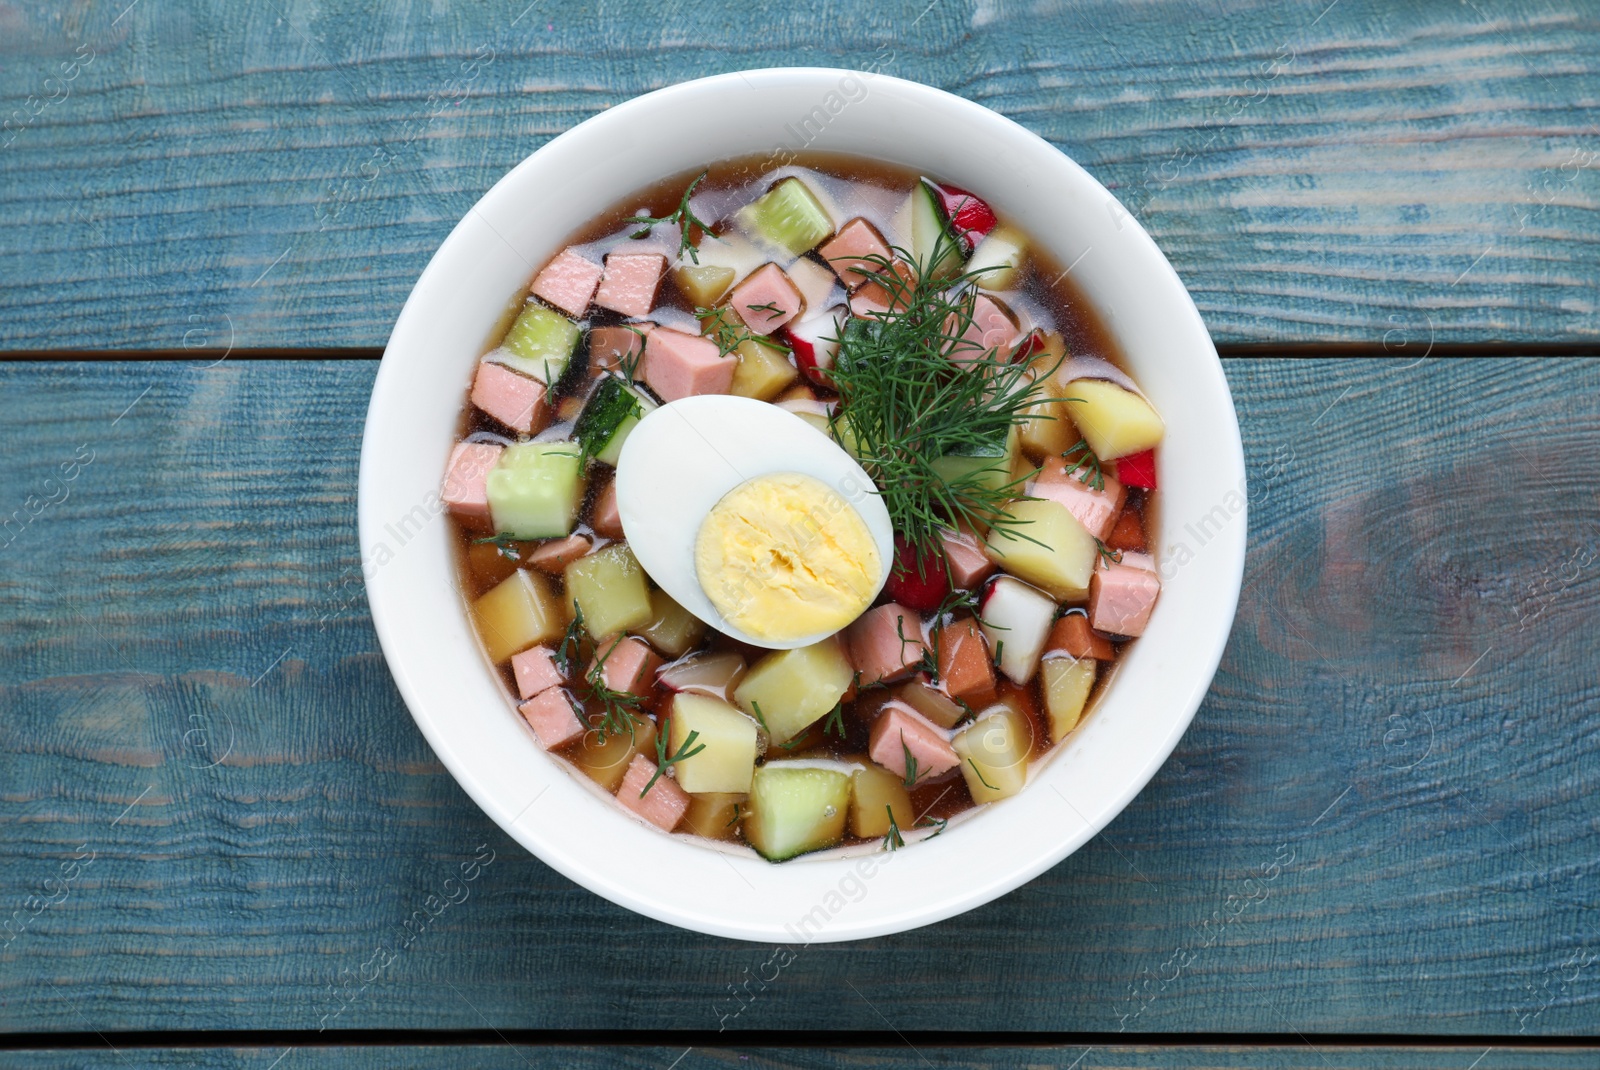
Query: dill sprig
(911,763)
(724,327)
(663,759)
(1086,466)
(568,651)
(910,405)
(620,710)
(1113,557)
(682,217)
(893,840)
(835,720)
(981,779)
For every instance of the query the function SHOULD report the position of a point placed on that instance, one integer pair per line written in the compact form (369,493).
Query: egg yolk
(784,556)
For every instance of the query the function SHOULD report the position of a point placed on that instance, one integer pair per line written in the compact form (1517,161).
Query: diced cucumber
(795,808)
(612,411)
(535,489)
(989,464)
(789,216)
(540,344)
(934,245)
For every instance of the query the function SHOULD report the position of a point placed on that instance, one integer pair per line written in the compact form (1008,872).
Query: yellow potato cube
(1048,547)
(609,587)
(703,284)
(517,613)
(1115,422)
(878,792)
(714,815)
(1067,683)
(724,745)
(994,752)
(763,371)
(794,688)
(606,763)
(672,630)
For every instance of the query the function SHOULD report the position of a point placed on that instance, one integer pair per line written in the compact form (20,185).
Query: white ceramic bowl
(459,704)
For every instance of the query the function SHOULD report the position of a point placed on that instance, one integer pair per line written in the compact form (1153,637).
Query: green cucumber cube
(611,413)
(933,243)
(790,217)
(540,343)
(535,490)
(795,808)
(990,464)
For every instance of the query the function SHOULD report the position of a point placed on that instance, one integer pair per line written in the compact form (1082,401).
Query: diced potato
(994,753)
(996,259)
(518,613)
(795,808)
(876,792)
(714,815)
(1061,556)
(763,371)
(1050,360)
(931,702)
(1067,683)
(1115,422)
(672,630)
(703,284)
(609,586)
(607,763)
(793,688)
(729,740)
(1046,432)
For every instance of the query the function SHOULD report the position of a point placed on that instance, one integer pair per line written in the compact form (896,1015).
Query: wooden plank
(1381,820)
(510,1056)
(278,177)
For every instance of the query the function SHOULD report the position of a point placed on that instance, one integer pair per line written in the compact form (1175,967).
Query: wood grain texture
(533,1057)
(277,176)
(1381,820)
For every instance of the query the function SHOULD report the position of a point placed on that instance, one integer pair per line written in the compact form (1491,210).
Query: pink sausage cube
(535,671)
(1096,510)
(515,400)
(630,665)
(552,717)
(847,252)
(568,282)
(663,805)
(612,347)
(766,299)
(605,518)
(630,282)
(992,327)
(969,565)
(1121,596)
(898,730)
(466,491)
(678,365)
(554,556)
(877,648)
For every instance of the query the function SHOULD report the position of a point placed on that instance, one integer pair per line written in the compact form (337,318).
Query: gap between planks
(809,1039)
(1233,351)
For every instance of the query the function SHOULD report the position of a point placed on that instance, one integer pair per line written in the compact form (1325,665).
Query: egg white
(681,459)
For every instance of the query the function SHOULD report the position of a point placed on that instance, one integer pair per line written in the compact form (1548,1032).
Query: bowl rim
(475,768)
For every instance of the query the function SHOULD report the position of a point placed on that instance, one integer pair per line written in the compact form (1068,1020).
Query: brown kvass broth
(1050,298)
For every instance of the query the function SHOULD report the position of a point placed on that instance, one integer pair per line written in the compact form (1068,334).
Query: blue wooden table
(215,811)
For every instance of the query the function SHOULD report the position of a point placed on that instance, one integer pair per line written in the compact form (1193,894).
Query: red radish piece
(1138,470)
(1025,349)
(814,342)
(1016,620)
(969,217)
(920,585)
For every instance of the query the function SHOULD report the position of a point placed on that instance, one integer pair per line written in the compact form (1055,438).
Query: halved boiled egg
(753,520)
